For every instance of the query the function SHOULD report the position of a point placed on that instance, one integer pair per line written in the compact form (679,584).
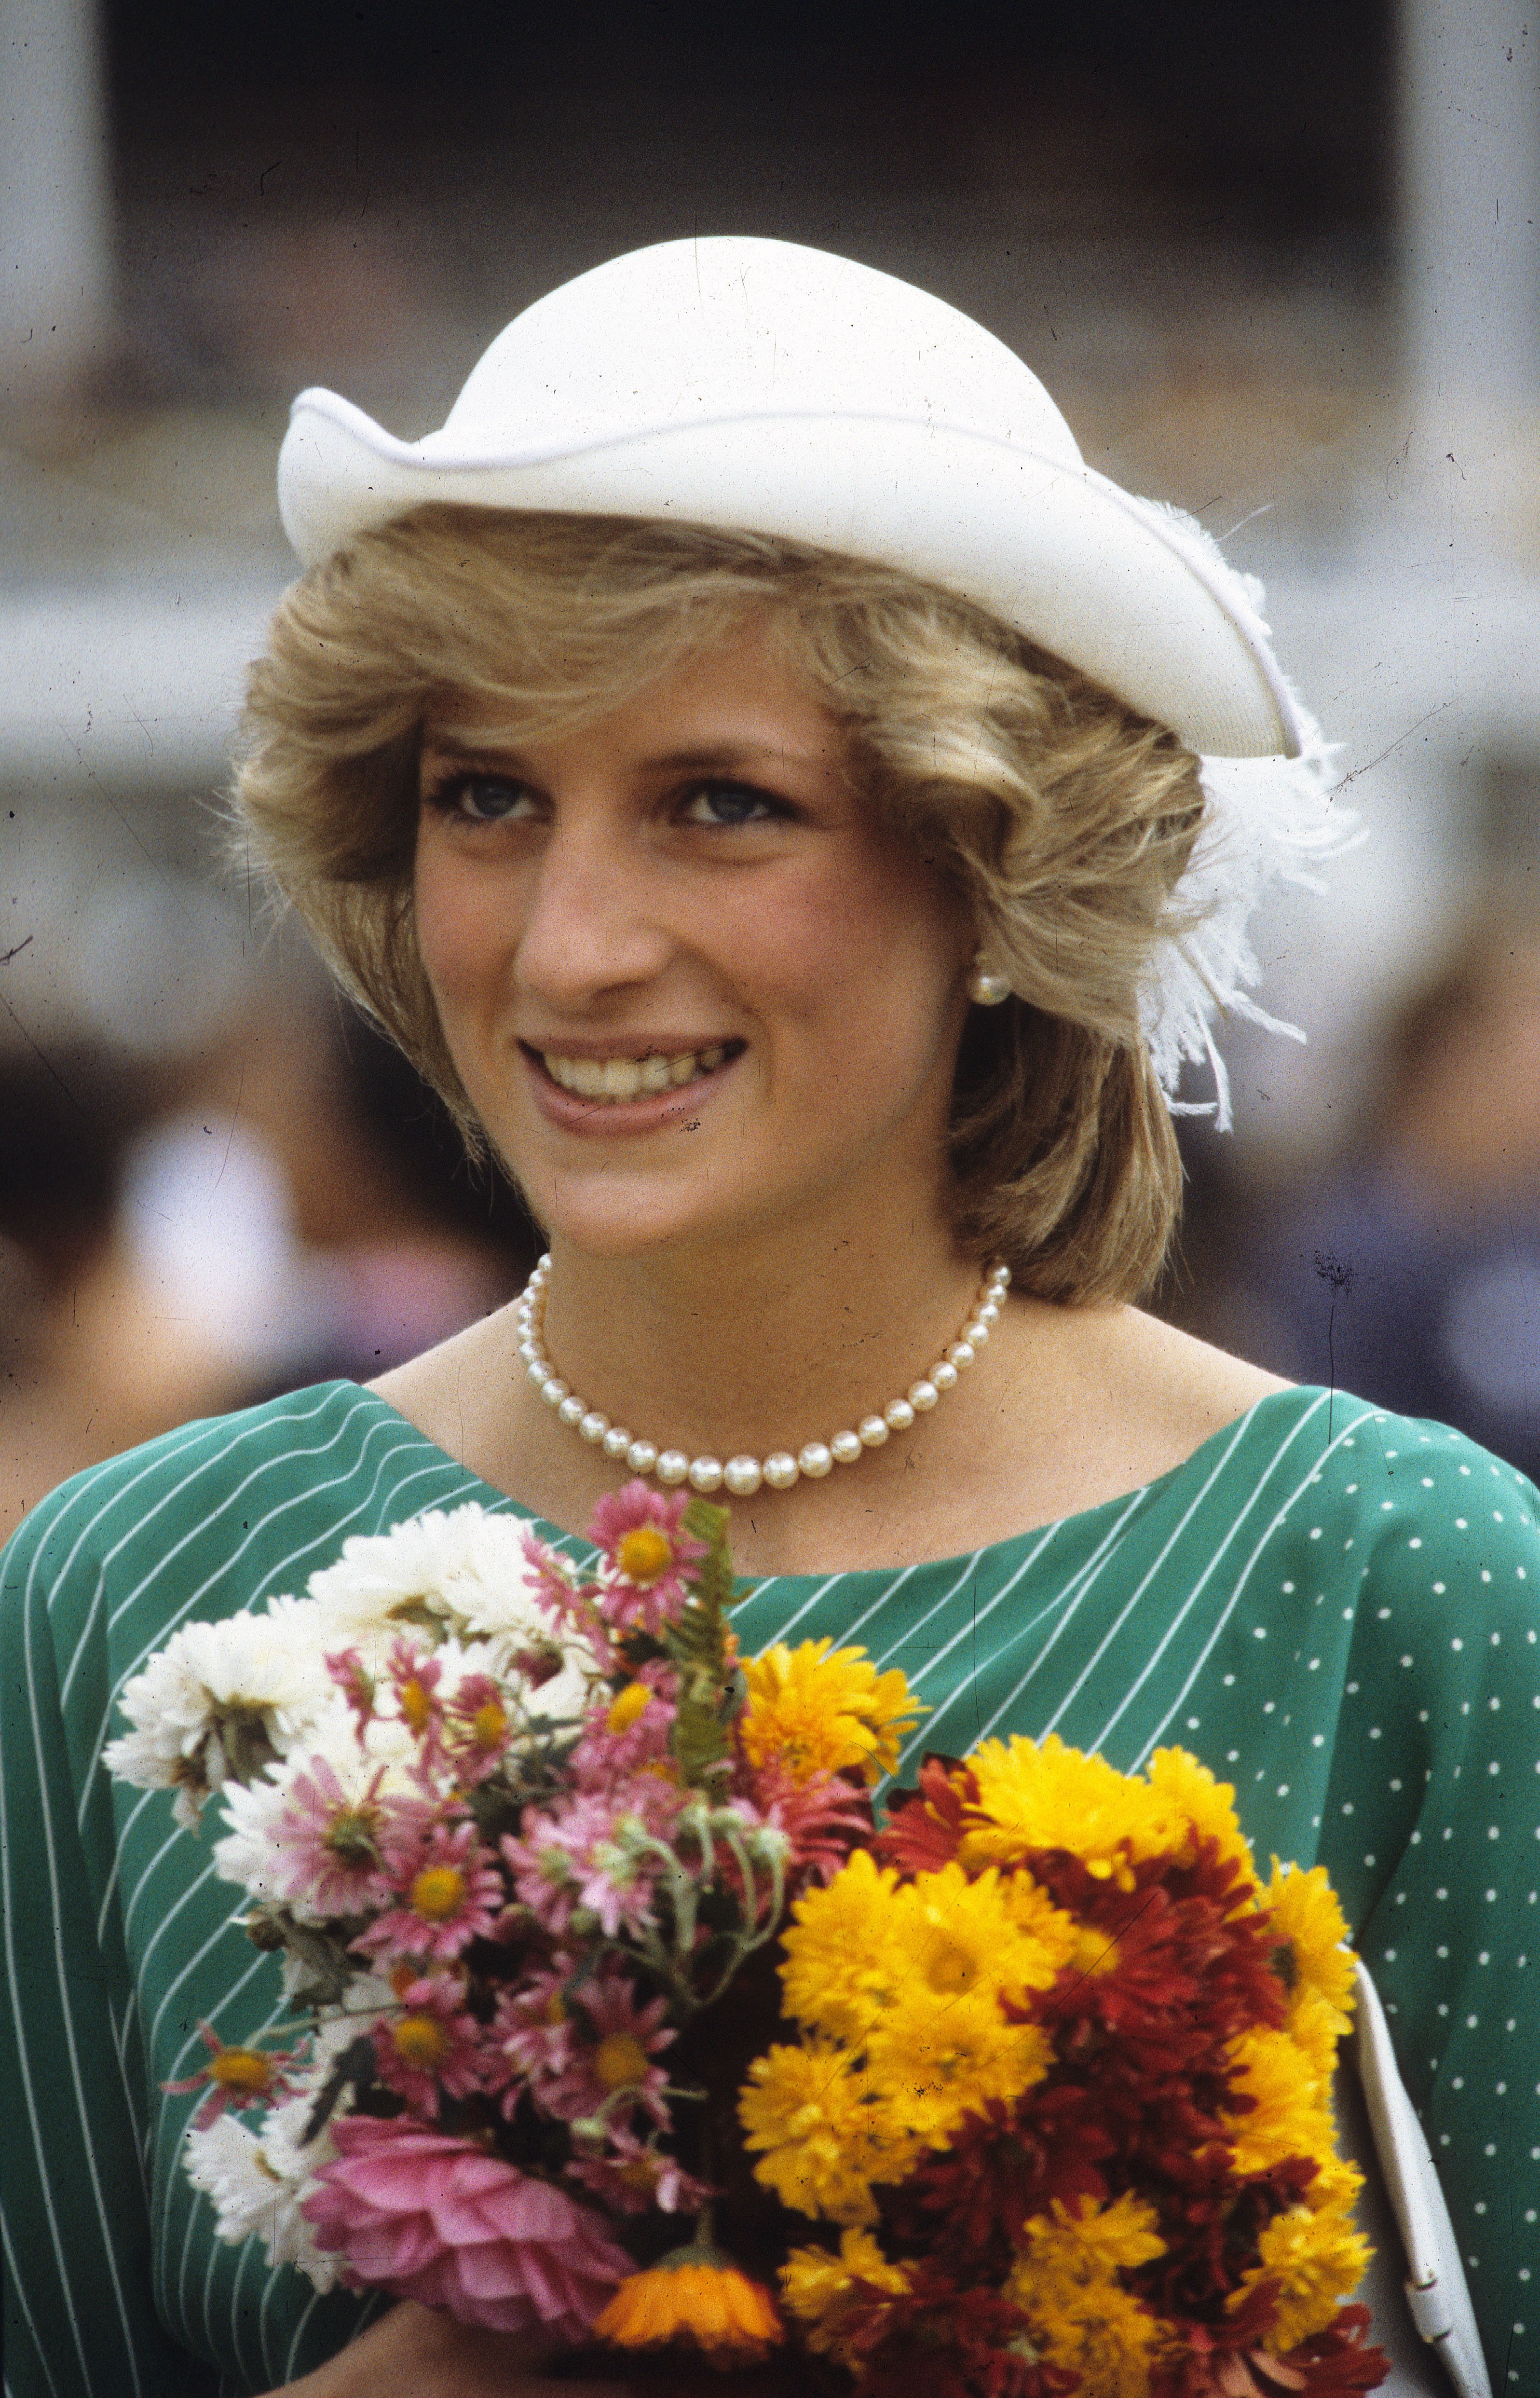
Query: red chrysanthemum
(925,1826)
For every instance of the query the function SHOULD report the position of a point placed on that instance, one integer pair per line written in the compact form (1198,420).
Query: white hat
(759,385)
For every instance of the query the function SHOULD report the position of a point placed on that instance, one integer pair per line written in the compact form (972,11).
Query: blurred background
(1279,264)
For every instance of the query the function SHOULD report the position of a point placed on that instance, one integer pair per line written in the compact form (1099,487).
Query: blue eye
(730,804)
(481,799)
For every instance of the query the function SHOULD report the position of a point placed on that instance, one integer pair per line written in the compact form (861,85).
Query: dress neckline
(1216,1449)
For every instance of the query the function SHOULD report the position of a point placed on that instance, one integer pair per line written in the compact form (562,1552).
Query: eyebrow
(708,758)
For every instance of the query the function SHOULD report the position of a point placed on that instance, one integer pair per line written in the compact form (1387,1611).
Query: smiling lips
(613,1081)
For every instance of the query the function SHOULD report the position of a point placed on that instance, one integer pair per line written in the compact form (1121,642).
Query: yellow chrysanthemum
(1093,2243)
(1208,1804)
(1311,1931)
(867,1947)
(935,2060)
(1318,2258)
(821,1709)
(817,2287)
(1080,2316)
(825,2137)
(844,1964)
(1045,1796)
(1291,2116)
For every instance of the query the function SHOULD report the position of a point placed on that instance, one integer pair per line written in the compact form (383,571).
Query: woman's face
(690,985)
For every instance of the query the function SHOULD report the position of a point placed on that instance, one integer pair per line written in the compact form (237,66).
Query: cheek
(869,954)
(464,934)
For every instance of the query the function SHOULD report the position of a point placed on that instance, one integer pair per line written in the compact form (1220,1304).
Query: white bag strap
(1416,2217)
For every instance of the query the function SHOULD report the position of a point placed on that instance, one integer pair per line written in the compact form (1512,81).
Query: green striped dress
(1335,1608)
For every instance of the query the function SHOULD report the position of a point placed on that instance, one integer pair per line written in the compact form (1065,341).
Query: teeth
(618,1079)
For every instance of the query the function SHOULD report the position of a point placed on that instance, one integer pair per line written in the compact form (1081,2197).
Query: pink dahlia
(430,2217)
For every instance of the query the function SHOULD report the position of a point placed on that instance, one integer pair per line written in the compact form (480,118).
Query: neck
(761,1344)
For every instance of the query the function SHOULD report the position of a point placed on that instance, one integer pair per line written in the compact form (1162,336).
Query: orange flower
(695,2294)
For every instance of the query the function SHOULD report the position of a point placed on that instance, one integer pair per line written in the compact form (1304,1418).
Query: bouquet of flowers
(604,1981)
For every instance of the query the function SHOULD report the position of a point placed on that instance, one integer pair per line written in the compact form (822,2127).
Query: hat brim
(1091,574)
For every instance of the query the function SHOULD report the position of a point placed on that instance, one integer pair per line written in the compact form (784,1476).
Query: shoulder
(220,1512)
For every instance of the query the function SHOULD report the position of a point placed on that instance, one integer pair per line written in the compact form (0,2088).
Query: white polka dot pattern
(1335,1608)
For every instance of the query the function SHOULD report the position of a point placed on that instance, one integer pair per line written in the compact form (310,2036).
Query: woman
(752,766)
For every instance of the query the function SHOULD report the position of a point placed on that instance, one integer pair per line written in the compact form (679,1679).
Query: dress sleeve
(1438,1770)
(80,2321)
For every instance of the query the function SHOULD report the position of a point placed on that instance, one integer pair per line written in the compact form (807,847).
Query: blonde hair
(1062,817)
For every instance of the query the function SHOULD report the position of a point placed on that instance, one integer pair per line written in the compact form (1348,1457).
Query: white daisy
(465,1570)
(218,1703)
(256,2181)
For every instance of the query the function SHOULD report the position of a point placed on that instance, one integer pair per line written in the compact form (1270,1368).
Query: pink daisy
(415,1676)
(431,2217)
(647,1554)
(331,1841)
(630,1731)
(477,1729)
(632,2175)
(535,2027)
(575,1858)
(232,2077)
(433,2048)
(449,1892)
(353,1678)
(824,1818)
(611,2067)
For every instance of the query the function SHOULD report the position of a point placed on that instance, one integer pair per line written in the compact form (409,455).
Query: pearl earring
(985,987)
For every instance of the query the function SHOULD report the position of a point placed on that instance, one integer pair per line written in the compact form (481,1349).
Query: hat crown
(689,331)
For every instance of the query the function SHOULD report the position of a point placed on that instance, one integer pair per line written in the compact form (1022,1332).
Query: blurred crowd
(1407,1268)
(217,1182)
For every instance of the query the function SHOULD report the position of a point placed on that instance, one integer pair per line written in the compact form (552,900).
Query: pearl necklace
(742,1476)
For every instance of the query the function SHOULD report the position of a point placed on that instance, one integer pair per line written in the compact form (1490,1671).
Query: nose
(594,921)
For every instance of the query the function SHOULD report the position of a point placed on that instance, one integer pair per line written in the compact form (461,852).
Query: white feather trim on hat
(1268,821)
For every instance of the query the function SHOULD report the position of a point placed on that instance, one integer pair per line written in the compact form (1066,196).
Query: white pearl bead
(528,1354)
(959,1353)
(815,1461)
(989,1312)
(553,1390)
(540,1372)
(706,1474)
(642,1456)
(873,1431)
(975,1334)
(1001,1274)
(594,1426)
(572,1409)
(944,1374)
(617,1440)
(846,1446)
(673,1465)
(780,1470)
(923,1395)
(742,1476)
(898,1415)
